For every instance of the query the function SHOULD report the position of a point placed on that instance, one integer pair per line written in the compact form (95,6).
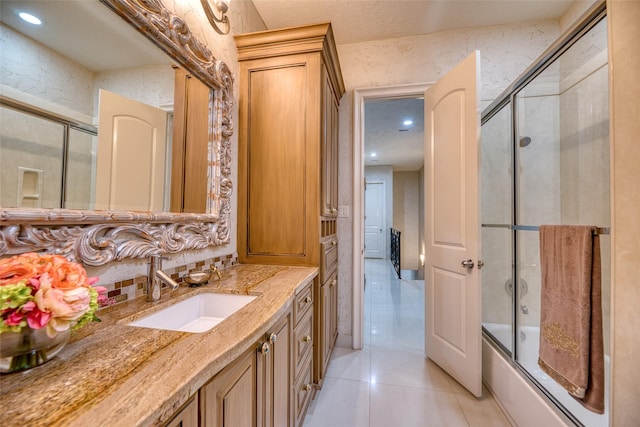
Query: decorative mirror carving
(99,237)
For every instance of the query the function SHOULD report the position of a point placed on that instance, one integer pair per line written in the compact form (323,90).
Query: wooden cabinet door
(229,399)
(187,417)
(334,154)
(329,149)
(325,341)
(333,311)
(328,323)
(275,377)
(303,391)
(279,160)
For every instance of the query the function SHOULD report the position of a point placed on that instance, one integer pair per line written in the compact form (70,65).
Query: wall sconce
(221,6)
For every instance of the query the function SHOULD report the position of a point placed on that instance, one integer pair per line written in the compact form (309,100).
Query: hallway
(390,383)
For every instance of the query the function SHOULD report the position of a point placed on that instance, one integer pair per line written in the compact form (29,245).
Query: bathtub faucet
(524,309)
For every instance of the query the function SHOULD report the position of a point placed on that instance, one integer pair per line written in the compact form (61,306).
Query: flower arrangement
(46,291)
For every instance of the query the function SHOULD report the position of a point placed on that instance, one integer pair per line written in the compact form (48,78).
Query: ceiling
(356,21)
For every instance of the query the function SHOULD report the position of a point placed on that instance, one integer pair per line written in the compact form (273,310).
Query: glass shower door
(562,159)
(497,237)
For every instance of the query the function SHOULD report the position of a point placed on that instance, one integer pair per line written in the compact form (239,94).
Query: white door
(452,293)
(130,172)
(374,234)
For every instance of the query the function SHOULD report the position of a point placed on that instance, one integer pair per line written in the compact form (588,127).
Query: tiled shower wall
(29,142)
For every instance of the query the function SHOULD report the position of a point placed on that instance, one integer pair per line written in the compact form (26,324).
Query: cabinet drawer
(302,303)
(328,258)
(303,342)
(302,391)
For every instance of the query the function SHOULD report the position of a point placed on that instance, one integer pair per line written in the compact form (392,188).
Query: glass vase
(29,348)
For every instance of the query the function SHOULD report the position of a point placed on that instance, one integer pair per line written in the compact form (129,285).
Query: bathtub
(528,344)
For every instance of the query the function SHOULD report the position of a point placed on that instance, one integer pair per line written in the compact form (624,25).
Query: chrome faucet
(156,277)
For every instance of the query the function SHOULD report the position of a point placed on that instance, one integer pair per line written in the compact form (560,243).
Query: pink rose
(35,284)
(37,319)
(64,305)
(28,306)
(14,318)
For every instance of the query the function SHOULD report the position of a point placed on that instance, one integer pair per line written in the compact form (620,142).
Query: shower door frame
(507,100)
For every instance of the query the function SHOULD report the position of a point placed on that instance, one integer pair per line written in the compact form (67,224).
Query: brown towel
(571,344)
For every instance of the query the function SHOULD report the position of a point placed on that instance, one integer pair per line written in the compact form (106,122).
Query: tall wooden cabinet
(290,88)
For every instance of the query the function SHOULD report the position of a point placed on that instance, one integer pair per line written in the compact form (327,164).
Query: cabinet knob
(333,282)
(273,337)
(306,338)
(264,349)
(333,242)
(307,387)
(334,210)
(308,300)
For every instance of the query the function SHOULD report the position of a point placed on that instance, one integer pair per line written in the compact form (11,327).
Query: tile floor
(389,382)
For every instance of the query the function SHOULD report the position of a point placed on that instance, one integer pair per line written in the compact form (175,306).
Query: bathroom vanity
(257,363)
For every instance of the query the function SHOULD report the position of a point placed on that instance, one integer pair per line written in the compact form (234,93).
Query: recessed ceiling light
(408,122)
(29,18)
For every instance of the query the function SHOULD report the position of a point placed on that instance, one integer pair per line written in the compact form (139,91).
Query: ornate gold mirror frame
(99,237)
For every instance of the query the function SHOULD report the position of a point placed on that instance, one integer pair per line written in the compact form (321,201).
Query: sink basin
(196,314)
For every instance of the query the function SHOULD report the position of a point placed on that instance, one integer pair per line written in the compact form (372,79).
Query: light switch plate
(343,211)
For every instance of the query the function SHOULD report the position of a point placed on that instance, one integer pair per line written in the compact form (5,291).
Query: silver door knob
(468,263)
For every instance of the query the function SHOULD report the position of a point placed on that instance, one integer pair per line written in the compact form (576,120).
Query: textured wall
(506,51)
(30,68)
(152,85)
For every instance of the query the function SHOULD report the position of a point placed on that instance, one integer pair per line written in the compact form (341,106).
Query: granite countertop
(113,374)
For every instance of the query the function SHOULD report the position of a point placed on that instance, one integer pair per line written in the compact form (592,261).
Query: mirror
(98,237)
